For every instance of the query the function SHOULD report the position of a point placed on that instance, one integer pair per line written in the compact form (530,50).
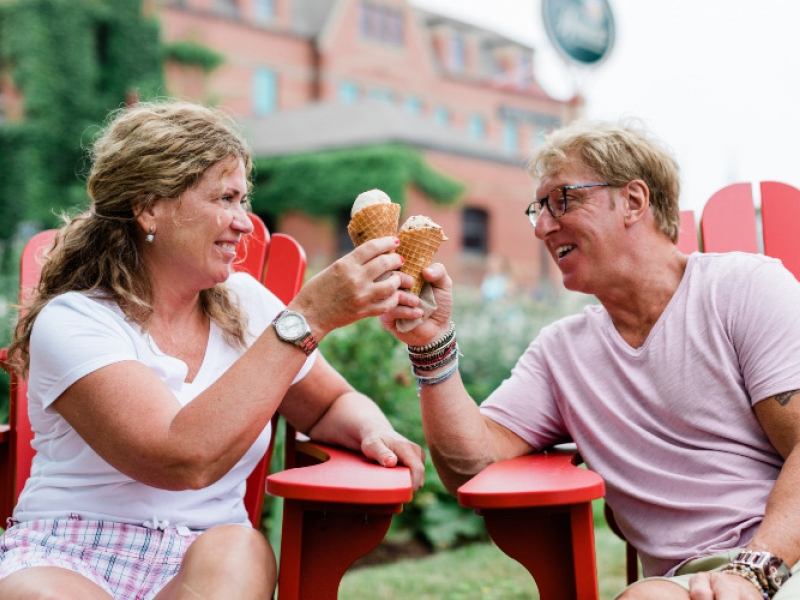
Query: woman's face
(196,235)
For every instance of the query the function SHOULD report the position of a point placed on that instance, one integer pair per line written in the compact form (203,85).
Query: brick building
(305,75)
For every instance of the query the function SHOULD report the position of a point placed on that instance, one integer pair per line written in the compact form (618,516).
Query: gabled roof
(328,126)
(310,16)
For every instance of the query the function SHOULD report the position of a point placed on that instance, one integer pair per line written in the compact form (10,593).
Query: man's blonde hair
(617,153)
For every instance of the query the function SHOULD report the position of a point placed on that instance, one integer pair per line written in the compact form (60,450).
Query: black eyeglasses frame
(533,215)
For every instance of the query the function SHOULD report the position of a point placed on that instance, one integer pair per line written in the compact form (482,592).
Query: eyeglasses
(556,201)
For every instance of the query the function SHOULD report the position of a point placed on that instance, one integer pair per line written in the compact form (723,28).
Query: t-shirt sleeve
(262,307)
(765,325)
(72,337)
(525,402)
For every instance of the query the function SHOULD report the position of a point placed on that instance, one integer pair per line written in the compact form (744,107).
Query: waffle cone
(374,221)
(417,247)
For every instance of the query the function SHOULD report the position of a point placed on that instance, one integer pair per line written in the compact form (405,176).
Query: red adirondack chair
(537,508)
(337,508)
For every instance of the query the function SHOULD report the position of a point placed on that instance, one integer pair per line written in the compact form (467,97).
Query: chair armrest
(342,476)
(543,479)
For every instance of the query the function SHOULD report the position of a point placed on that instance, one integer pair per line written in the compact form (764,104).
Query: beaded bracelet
(441,342)
(420,356)
(435,379)
(446,360)
(750,575)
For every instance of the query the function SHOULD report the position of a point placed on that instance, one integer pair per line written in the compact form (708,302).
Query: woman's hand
(363,283)
(389,448)
(438,323)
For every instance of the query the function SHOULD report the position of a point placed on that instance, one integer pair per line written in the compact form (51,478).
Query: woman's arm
(324,406)
(134,421)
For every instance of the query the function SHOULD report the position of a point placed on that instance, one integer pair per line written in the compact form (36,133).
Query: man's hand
(712,585)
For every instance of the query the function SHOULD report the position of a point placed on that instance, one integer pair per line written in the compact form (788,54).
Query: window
(475,227)
(457,53)
(381,23)
(265,92)
(510,136)
(524,71)
(382,94)
(477,127)
(265,9)
(413,105)
(348,92)
(441,116)
(229,8)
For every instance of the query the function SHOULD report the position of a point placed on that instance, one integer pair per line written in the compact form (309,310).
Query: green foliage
(491,337)
(73,60)
(191,53)
(375,363)
(325,183)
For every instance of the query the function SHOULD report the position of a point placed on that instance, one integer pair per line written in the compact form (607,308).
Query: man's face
(584,239)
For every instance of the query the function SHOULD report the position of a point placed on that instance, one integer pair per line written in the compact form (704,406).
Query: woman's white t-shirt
(76,334)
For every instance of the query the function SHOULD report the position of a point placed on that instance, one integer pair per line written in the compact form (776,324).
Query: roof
(329,126)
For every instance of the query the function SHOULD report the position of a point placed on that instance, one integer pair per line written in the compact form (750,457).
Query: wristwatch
(292,327)
(771,571)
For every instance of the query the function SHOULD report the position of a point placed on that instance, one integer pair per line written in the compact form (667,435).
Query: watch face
(777,573)
(291,326)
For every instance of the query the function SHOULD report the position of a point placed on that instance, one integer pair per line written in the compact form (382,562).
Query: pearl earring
(150,237)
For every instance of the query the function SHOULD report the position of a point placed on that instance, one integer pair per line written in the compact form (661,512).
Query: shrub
(491,337)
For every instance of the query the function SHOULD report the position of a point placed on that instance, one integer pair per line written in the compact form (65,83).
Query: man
(679,389)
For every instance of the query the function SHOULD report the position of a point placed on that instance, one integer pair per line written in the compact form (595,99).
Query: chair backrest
(278,261)
(729,222)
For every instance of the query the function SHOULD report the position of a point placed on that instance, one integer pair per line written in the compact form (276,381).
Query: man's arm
(779,532)
(462,442)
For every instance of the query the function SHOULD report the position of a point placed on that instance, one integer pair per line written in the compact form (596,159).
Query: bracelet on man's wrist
(438,378)
(437,364)
(750,575)
(435,345)
(415,357)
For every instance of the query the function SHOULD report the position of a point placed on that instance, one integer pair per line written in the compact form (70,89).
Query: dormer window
(381,23)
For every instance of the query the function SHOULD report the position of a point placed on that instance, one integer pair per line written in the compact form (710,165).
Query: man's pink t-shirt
(670,426)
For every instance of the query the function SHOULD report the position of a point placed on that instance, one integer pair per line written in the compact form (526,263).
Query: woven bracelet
(436,379)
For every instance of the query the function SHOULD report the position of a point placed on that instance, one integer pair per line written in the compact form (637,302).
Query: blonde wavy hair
(145,153)
(617,153)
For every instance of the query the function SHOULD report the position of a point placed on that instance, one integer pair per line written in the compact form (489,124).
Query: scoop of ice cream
(418,222)
(368,198)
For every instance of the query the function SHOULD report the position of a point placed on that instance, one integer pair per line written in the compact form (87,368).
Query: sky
(717,80)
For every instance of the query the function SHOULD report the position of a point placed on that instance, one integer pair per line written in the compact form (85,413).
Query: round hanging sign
(581,30)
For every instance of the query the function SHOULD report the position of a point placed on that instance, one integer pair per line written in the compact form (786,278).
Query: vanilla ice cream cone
(420,238)
(373,221)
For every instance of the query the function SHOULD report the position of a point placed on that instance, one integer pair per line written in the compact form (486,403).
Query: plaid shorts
(128,561)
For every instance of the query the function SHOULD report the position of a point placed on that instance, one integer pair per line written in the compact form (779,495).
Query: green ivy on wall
(187,52)
(73,61)
(326,183)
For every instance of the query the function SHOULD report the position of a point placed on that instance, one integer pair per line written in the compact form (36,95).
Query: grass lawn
(475,572)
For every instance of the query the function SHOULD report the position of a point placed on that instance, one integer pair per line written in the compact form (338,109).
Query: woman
(154,372)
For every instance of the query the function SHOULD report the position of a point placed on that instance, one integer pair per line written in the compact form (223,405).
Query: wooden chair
(338,507)
(537,508)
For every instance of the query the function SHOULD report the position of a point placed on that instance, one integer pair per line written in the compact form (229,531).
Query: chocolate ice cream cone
(374,221)
(417,247)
